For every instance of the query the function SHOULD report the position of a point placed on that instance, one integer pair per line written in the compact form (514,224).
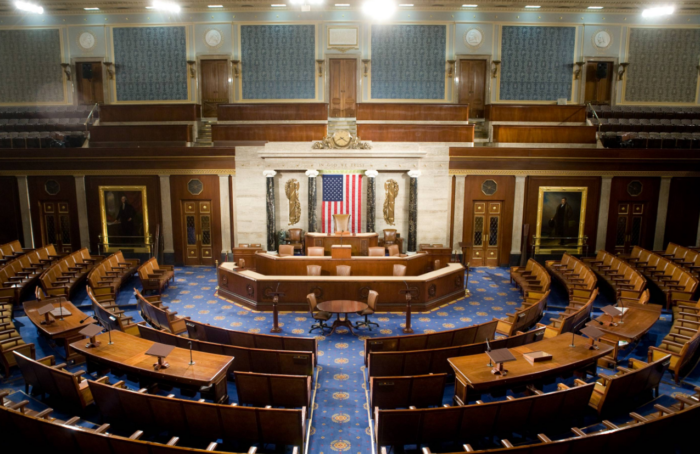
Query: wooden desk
(128,354)
(247,254)
(474,376)
(342,307)
(637,321)
(63,332)
(360,242)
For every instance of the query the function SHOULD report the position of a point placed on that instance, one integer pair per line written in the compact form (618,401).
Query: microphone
(81,321)
(488,346)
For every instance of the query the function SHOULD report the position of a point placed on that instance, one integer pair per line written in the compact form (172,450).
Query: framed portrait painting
(561,215)
(124,215)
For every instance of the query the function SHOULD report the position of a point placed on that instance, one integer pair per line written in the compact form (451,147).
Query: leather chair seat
(367,311)
(321,315)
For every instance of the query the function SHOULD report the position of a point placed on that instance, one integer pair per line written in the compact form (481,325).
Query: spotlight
(658,11)
(166,6)
(379,9)
(29,7)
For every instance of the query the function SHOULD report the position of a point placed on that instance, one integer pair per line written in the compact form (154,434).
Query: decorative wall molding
(572,173)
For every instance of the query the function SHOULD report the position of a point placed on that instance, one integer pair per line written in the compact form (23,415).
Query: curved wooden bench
(67,273)
(12,250)
(575,316)
(154,276)
(418,391)
(680,345)
(110,316)
(10,342)
(260,390)
(524,317)
(531,277)
(157,315)
(625,280)
(109,275)
(574,274)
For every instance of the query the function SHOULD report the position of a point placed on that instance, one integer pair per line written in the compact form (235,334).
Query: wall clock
(195,186)
(52,187)
(489,187)
(213,38)
(87,40)
(634,188)
(602,39)
(473,38)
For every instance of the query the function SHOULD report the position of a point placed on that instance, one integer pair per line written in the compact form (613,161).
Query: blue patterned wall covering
(30,71)
(278,61)
(662,65)
(408,61)
(151,63)
(537,63)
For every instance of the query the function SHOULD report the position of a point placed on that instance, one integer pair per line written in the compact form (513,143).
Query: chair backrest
(342,222)
(294,235)
(377,252)
(311,299)
(399,270)
(393,250)
(260,390)
(342,270)
(390,235)
(316,251)
(286,249)
(313,270)
(372,299)
(402,392)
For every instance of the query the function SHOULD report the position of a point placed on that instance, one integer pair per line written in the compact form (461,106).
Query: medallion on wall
(52,187)
(87,40)
(489,187)
(213,38)
(195,186)
(473,38)
(634,188)
(602,39)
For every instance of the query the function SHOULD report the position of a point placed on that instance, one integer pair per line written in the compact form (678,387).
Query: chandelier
(379,10)
(306,4)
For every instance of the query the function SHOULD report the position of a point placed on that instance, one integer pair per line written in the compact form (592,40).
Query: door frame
(455,83)
(229,70)
(327,76)
(582,84)
(105,80)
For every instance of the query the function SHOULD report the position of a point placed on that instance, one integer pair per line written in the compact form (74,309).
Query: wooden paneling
(90,90)
(552,112)
(472,86)
(11,227)
(269,132)
(279,111)
(648,199)
(598,90)
(544,134)
(416,133)
(178,194)
(38,195)
(149,112)
(141,133)
(214,85)
(343,87)
(153,197)
(683,212)
(412,112)
(532,188)
(505,192)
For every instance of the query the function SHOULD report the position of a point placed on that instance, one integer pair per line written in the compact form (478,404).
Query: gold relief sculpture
(291,188)
(391,190)
(341,140)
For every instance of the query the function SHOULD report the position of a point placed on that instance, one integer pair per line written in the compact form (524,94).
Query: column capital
(371,173)
(269,173)
(414,173)
(312,173)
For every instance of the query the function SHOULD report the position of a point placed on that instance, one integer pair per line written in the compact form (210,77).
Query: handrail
(92,111)
(595,115)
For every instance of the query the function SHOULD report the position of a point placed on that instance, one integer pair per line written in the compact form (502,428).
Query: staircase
(481,130)
(342,124)
(204,135)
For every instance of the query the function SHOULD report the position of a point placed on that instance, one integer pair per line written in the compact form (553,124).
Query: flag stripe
(342,194)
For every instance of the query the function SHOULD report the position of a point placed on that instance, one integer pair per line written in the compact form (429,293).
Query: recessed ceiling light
(29,7)
(379,10)
(595,7)
(533,6)
(469,6)
(278,5)
(166,6)
(215,6)
(91,9)
(658,11)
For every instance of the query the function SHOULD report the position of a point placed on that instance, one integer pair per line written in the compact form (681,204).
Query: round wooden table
(342,307)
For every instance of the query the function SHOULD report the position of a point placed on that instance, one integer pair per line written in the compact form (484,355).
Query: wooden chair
(377,251)
(523,318)
(680,347)
(390,237)
(313,270)
(320,316)
(286,250)
(260,390)
(107,312)
(399,270)
(371,306)
(153,311)
(10,342)
(296,239)
(420,391)
(393,250)
(572,320)
(342,270)
(316,251)
(154,276)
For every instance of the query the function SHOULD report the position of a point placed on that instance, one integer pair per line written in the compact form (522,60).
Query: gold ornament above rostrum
(341,140)
(391,191)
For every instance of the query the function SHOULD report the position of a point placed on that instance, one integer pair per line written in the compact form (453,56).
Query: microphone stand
(407,329)
(109,331)
(83,320)
(275,314)
(488,349)
(191,360)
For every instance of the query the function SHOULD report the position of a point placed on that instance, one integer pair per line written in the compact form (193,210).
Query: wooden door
(55,225)
(197,230)
(88,78)
(599,80)
(343,88)
(472,86)
(486,234)
(631,226)
(214,86)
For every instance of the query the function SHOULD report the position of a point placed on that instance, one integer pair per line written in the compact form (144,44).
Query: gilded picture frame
(557,221)
(124,218)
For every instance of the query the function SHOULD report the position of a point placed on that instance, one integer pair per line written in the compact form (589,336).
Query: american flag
(342,194)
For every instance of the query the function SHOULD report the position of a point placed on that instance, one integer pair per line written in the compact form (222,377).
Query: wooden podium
(358,242)
(341,251)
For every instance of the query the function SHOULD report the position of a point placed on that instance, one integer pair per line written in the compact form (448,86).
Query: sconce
(192,65)
(494,67)
(577,69)
(366,67)
(451,68)
(236,68)
(320,67)
(621,70)
(110,69)
(66,69)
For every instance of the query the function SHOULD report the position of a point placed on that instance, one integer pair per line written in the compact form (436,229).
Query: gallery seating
(574,274)
(191,419)
(261,390)
(64,276)
(523,318)
(108,276)
(420,391)
(573,319)
(20,274)
(158,315)
(684,256)
(626,281)
(283,362)
(107,312)
(155,276)
(34,259)
(48,378)
(531,277)
(681,347)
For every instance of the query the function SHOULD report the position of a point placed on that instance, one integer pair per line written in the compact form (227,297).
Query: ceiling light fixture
(91,9)
(533,6)
(595,7)
(215,6)
(469,6)
(405,5)
(658,11)
(166,6)
(306,4)
(29,7)
(379,10)
(342,4)
(278,5)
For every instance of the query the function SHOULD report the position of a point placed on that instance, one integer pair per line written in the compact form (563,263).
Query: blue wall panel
(537,63)
(408,61)
(151,63)
(30,66)
(278,61)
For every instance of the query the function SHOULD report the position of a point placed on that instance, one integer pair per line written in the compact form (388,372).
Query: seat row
(626,281)
(683,340)
(108,314)
(54,138)
(688,258)
(64,276)
(11,341)
(109,275)
(531,277)
(155,277)
(157,315)
(621,139)
(575,316)
(526,316)
(647,125)
(11,250)
(574,274)
(606,111)
(42,124)
(19,274)
(46,111)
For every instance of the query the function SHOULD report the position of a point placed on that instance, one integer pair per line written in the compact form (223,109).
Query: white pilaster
(603,211)
(518,202)
(664,192)
(167,227)
(81,198)
(459,212)
(25,211)
(225,213)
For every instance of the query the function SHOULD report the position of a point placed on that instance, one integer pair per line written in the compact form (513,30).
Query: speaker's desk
(473,375)
(359,242)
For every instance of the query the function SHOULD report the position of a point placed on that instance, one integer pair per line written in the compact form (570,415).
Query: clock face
(195,186)
(52,187)
(87,40)
(213,38)
(474,37)
(602,39)
(634,188)
(489,187)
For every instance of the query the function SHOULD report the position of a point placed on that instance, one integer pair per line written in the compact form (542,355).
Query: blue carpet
(340,416)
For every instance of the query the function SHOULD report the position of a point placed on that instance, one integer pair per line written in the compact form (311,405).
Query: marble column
(81,199)
(25,211)
(603,211)
(166,229)
(664,192)
(518,205)
(225,202)
(413,211)
(371,198)
(270,195)
(312,174)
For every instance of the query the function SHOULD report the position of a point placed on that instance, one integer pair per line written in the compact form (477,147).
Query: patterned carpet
(340,416)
